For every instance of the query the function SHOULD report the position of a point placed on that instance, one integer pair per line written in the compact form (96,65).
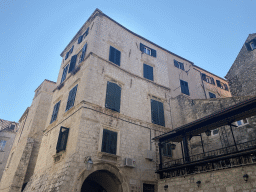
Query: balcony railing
(236,155)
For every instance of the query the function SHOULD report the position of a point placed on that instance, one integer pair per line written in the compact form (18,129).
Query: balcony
(236,152)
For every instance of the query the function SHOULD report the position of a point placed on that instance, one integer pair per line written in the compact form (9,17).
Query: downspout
(202,82)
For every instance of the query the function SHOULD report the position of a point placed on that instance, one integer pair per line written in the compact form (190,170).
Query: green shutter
(62,140)
(72,63)
(153,52)
(142,47)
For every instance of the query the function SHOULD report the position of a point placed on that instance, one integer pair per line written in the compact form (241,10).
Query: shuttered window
(109,141)
(72,63)
(71,98)
(147,50)
(179,65)
(64,74)
(55,112)
(80,39)
(114,55)
(211,95)
(113,96)
(226,87)
(83,53)
(212,81)
(148,72)
(167,151)
(2,145)
(184,87)
(71,50)
(218,83)
(62,140)
(157,112)
(66,55)
(148,187)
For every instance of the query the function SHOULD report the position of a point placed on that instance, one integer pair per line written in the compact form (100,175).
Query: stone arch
(102,170)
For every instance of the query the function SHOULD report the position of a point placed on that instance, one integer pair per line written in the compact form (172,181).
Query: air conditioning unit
(149,155)
(128,162)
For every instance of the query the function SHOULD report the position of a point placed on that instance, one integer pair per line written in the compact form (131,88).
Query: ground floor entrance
(101,181)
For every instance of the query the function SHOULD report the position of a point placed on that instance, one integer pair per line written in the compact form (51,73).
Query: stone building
(23,155)
(93,129)
(241,75)
(8,131)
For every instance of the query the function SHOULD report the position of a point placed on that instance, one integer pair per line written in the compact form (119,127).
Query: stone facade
(82,163)
(23,156)
(8,132)
(241,75)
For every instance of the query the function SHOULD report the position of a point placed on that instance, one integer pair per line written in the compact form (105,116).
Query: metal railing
(211,154)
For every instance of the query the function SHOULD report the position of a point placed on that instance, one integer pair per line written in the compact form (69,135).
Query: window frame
(67,69)
(60,147)
(160,106)
(146,72)
(242,122)
(2,146)
(111,100)
(184,88)
(109,139)
(166,147)
(178,65)
(147,50)
(113,54)
(55,112)
(69,96)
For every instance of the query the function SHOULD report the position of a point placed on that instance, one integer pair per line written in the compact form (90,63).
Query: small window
(80,39)
(72,63)
(12,127)
(212,95)
(71,98)
(148,72)
(55,112)
(184,87)
(2,145)
(113,96)
(253,45)
(167,151)
(62,140)
(242,122)
(148,187)
(81,58)
(147,50)
(207,79)
(109,141)
(114,55)
(222,85)
(215,131)
(157,112)
(179,65)
(64,74)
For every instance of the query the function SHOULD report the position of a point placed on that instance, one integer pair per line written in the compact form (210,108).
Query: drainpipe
(202,82)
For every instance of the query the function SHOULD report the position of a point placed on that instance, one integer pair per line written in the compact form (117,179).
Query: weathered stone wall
(226,180)
(241,76)
(21,162)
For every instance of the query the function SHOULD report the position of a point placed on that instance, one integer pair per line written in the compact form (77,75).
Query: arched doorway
(101,181)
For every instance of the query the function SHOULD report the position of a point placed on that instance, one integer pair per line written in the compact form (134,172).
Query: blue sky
(34,33)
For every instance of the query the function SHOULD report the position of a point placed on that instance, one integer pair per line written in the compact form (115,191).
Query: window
(207,79)
(83,53)
(114,55)
(80,38)
(71,98)
(69,52)
(113,97)
(242,122)
(184,87)
(62,140)
(222,85)
(72,63)
(167,151)
(55,112)
(179,65)
(215,132)
(212,95)
(157,112)
(64,74)
(147,50)
(148,72)
(148,187)
(251,45)
(12,127)
(2,145)
(109,141)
